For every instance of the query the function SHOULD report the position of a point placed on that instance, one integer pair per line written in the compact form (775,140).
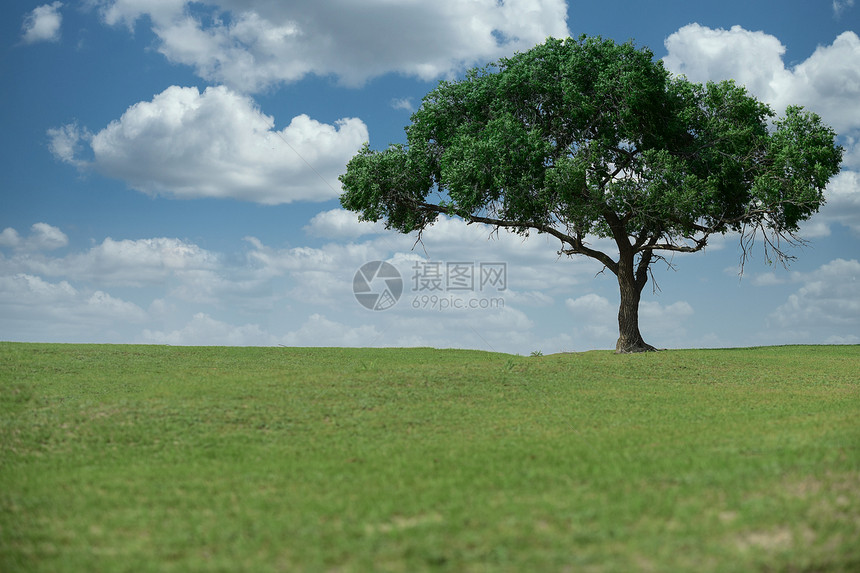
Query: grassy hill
(151,458)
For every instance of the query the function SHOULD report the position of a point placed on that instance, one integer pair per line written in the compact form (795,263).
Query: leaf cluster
(584,136)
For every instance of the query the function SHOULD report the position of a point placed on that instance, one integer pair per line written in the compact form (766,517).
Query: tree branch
(577,246)
(772,243)
(700,244)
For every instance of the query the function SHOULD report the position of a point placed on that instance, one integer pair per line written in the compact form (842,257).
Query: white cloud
(203,330)
(851,156)
(118,263)
(842,207)
(591,304)
(839,6)
(595,317)
(321,331)
(252,44)
(843,200)
(321,279)
(43,24)
(404,104)
(751,58)
(29,290)
(46,238)
(128,11)
(114,309)
(136,262)
(217,144)
(533,263)
(847,339)
(768,279)
(333,257)
(43,237)
(66,143)
(501,329)
(665,325)
(10,238)
(341,224)
(829,298)
(171,276)
(173,291)
(664,317)
(828,82)
(32,308)
(317,276)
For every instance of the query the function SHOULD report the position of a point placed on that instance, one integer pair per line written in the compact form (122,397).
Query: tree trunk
(630,283)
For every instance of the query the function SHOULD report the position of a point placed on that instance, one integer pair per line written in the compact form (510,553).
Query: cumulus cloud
(752,58)
(842,206)
(843,201)
(188,144)
(595,317)
(828,82)
(113,263)
(29,290)
(767,279)
(333,257)
(127,12)
(45,237)
(66,143)
(322,278)
(252,44)
(42,237)
(851,157)
(829,298)
(44,296)
(32,308)
(42,24)
(9,238)
(665,316)
(590,304)
(203,330)
(341,224)
(318,276)
(172,291)
(534,264)
(404,104)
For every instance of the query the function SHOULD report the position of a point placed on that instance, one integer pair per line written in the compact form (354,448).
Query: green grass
(145,458)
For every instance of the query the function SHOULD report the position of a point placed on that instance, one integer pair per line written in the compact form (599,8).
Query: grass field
(149,458)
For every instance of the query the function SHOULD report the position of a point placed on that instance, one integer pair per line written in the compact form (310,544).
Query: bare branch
(655,288)
(420,240)
(600,272)
(661,258)
(699,245)
(773,243)
(576,244)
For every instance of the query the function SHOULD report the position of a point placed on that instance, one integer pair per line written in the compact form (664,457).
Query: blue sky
(169,175)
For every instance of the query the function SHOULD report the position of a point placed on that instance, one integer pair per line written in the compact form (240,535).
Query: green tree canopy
(582,138)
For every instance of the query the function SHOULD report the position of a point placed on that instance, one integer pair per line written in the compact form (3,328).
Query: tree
(581,138)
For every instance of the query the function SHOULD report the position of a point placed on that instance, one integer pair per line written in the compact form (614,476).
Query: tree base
(632,346)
